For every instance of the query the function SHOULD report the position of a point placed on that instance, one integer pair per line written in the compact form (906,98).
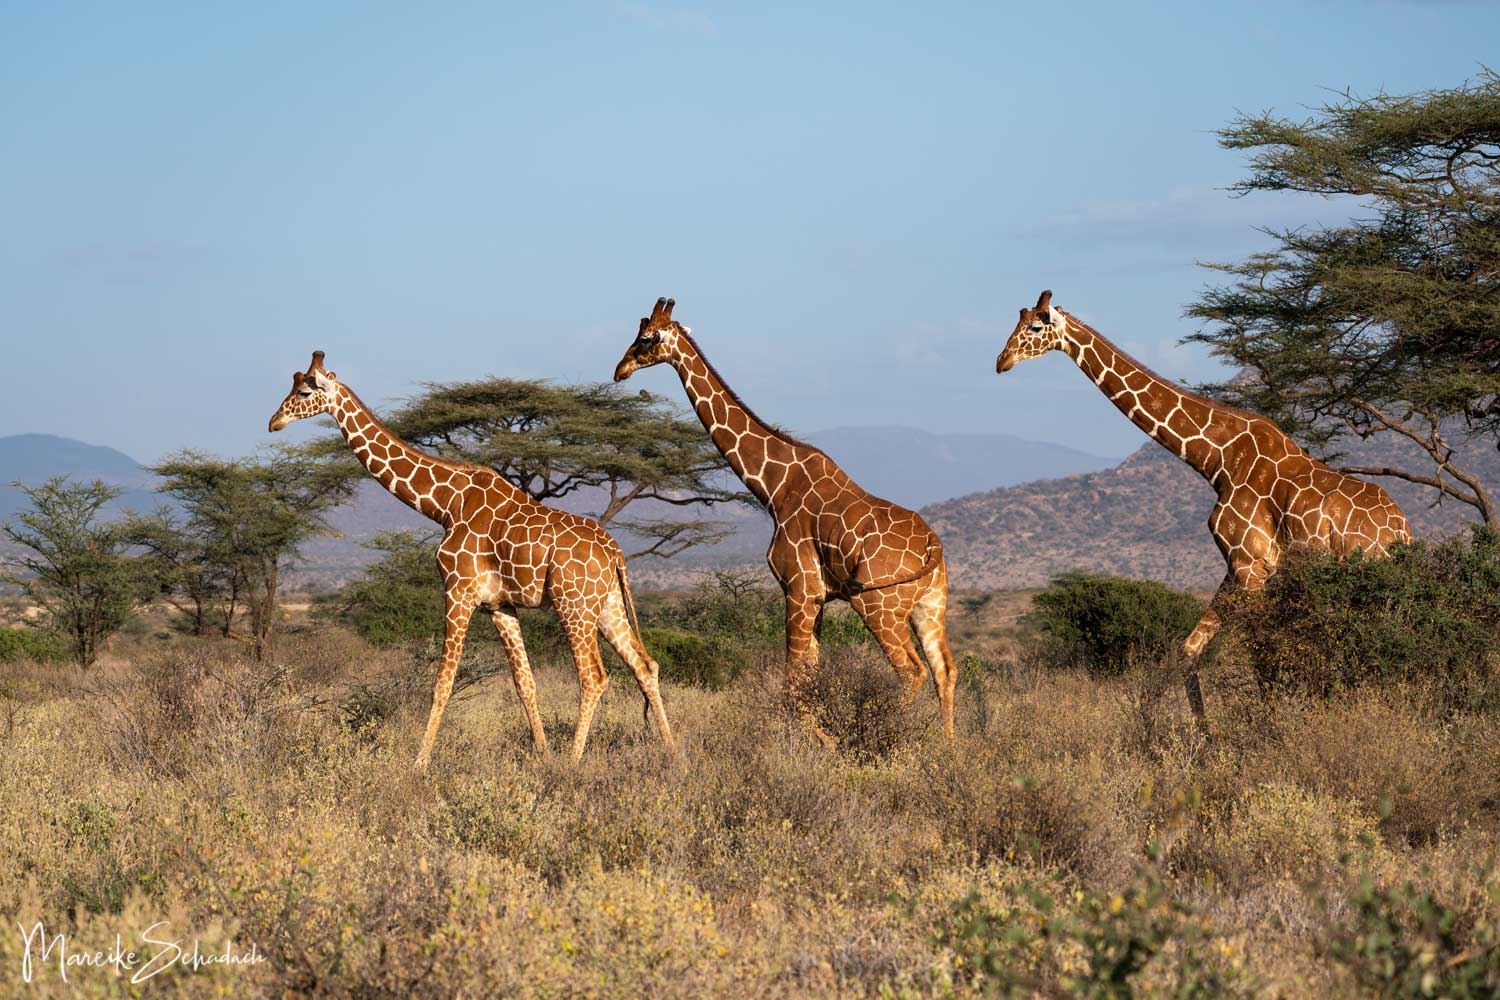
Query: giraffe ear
(321,379)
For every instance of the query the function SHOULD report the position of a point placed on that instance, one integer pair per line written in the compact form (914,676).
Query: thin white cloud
(1199,218)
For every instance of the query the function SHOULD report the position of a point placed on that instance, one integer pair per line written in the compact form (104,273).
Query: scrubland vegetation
(1334,835)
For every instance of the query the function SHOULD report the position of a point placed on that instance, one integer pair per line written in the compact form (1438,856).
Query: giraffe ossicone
(501,550)
(1271,493)
(832,540)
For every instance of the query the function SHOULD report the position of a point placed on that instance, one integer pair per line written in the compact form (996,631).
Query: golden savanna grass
(275,803)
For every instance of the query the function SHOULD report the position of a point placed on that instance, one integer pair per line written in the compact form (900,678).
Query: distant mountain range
(1011,512)
(34,458)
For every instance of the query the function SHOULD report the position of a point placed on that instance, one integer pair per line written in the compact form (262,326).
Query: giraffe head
(313,392)
(656,342)
(1040,329)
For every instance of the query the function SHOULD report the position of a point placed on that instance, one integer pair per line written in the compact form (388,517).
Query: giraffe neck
(410,475)
(1172,417)
(747,443)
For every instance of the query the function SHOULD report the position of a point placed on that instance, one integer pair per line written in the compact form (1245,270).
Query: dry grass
(275,803)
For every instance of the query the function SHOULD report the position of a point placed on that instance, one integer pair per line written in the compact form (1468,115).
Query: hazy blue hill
(34,458)
(1146,518)
(914,467)
(1011,512)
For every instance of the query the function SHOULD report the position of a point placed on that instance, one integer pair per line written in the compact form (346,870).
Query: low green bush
(734,605)
(1099,944)
(1106,621)
(707,637)
(30,644)
(1404,941)
(1427,614)
(398,598)
(690,658)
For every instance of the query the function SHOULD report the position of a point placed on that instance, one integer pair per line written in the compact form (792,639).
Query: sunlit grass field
(1079,837)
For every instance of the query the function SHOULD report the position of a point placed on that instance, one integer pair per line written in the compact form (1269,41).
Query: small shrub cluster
(1429,614)
(1107,622)
(708,637)
(31,644)
(691,658)
(1404,941)
(860,704)
(1134,941)
(398,598)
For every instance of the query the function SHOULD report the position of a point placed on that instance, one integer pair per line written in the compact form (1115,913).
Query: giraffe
(832,540)
(501,550)
(1272,494)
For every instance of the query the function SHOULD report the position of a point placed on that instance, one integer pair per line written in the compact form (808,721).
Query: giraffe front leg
(803,612)
(1192,649)
(1249,577)
(461,605)
(592,679)
(509,627)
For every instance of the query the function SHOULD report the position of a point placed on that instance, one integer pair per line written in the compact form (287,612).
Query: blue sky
(849,203)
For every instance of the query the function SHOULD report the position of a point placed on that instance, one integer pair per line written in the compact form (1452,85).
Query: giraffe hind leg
(617,632)
(509,627)
(929,619)
(892,631)
(460,606)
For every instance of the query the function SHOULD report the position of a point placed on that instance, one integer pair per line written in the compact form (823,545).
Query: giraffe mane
(438,460)
(1187,393)
(775,431)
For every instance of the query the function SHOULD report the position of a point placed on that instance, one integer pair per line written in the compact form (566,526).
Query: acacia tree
(78,571)
(1390,323)
(201,590)
(554,441)
(249,517)
(397,598)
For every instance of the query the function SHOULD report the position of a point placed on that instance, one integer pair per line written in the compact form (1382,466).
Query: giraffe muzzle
(623,370)
(1004,363)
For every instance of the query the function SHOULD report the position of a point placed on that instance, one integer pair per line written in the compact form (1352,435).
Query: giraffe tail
(635,622)
(635,627)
